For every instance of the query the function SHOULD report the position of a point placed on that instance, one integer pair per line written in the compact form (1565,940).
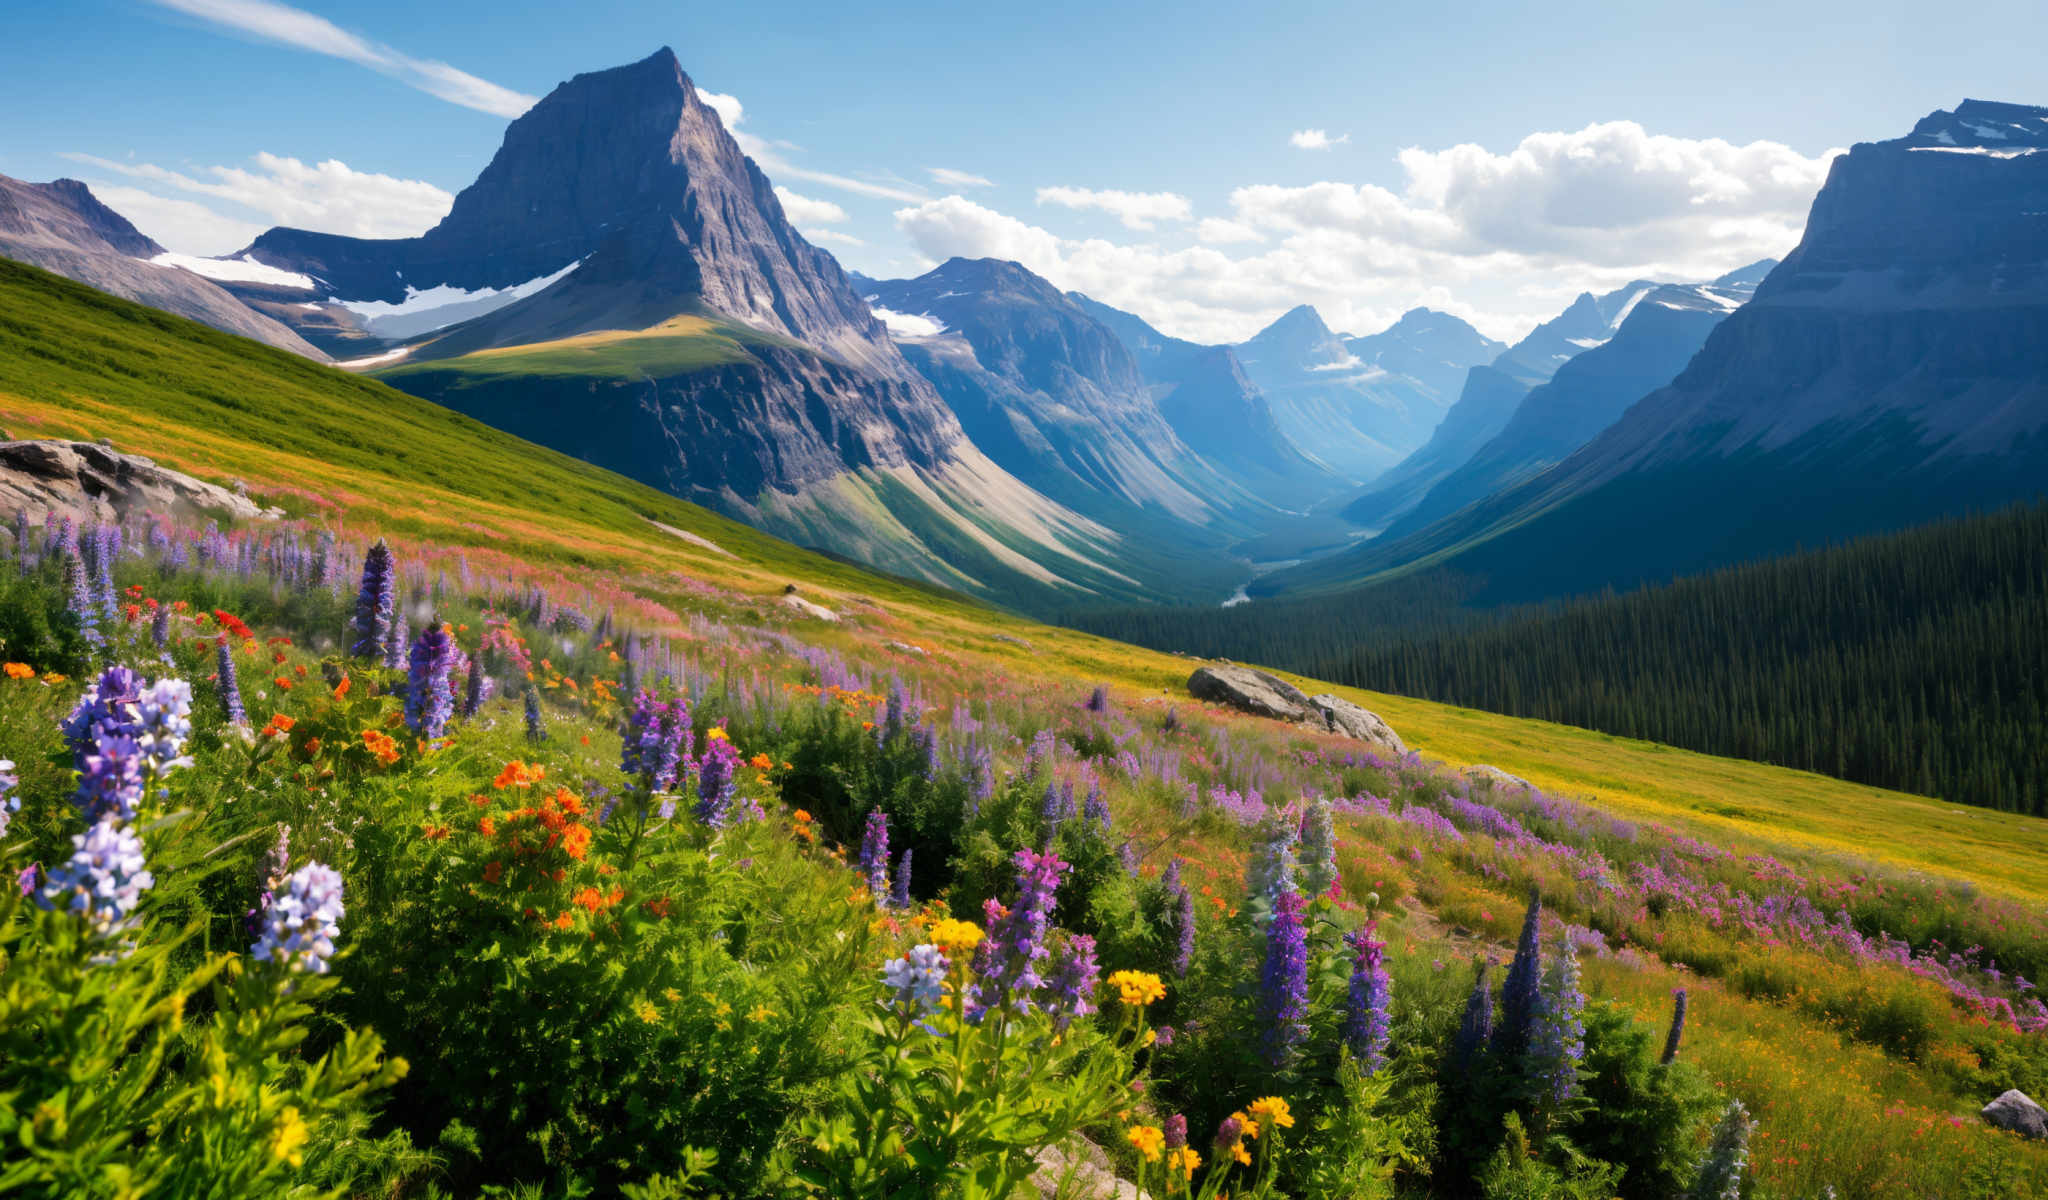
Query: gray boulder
(2016,1111)
(1250,690)
(1501,780)
(91,482)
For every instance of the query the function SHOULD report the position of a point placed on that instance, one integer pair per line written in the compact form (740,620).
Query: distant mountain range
(621,283)
(1894,368)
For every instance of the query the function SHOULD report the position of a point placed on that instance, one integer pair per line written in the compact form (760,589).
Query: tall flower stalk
(1283,982)
(1367,1028)
(375,603)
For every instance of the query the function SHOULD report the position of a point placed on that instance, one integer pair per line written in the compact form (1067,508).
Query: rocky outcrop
(2016,1111)
(1250,690)
(807,608)
(63,228)
(91,482)
(1496,778)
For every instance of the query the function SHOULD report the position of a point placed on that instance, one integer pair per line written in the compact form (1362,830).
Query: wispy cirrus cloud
(948,177)
(1136,210)
(288,26)
(768,155)
(1315,139)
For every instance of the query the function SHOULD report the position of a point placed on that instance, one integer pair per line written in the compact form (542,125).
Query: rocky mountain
(1893,369)
(1205,395)
(62,227)
(1361,404)
(1590,392)
(1488,399)
(624,285)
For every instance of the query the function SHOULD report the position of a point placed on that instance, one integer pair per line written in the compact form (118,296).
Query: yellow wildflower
(1138,988)
(761,1012)
(956,935)
(291,1137)
(1184,1160)
(1275,1111)
(646,1011)
(1148,1139)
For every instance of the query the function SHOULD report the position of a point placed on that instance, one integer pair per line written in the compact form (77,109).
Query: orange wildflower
(20,671)
(494,872)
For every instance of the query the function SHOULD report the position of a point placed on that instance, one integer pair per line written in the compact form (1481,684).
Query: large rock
(94,483)
(1248,689)
(2016,1111)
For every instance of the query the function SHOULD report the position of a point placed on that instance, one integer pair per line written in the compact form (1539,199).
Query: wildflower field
(466,832)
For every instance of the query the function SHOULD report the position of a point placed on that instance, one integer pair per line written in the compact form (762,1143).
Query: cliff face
(62,227)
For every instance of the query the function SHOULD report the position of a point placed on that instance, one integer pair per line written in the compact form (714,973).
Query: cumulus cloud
(1503,240)
(1137,210)
(833,236)
(805,211)
(1315,139)
(948,177)
(302,30)
(729,109)
(329,197)
(186,226)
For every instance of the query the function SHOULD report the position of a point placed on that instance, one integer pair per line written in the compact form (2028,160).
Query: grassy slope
(77,363)
(676,346)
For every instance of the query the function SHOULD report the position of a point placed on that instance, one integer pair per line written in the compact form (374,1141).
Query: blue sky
(1160,157)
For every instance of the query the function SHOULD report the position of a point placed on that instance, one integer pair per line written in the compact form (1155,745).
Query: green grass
(77,363)
(679,346)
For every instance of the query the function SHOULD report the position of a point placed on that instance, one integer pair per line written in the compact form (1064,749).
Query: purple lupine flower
(1229,1132)
(1366,1019)
(1098,700)
(83,610)
(228,682)
(667,764)
(715,772)
(376,600)
(1318,848)
(1096,808)
(536,730)
(1557,1038)
(918,979)
(165,709)
(1127,855)
(1170,879)
(926,740)
(102,881)
(1677,1033)
(1719,1174)
(874,855)
(1049,810)
(476,688)
(110,706)
(1283,982)
(1073,981)
(397,642)
(1176,1129)
(1184,933)
(1475,1028)
(640,746)
(428,704)
(300,925)
(1044,750)
(1518,996)
(1270,870)
(160,627)
(1006,962)
(899,887)
(28,878)
(106,548)
(9,802)
(110,788)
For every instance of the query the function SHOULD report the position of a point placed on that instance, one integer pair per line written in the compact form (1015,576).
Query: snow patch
(1626,309)
(441,305)
(909,324)
(1589,343)
(1985,151)
(375,360)
(1986,131)
(1343,364)
(233,270)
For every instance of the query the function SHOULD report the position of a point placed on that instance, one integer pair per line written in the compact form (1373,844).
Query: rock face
(2017,1112)
(62,227)
(1261,694)
(91,482)
(1354,403)
(1205,395)
(1489,396)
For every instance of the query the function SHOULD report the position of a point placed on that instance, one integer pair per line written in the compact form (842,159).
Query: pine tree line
(1915,660)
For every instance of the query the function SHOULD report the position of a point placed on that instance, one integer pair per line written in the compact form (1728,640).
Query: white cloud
(294,27)
(1502,240)
(805,211)
(948,177)
(833,236)
(729,109)
(1315,139)
(765,154)
(1137,210)
(329,197)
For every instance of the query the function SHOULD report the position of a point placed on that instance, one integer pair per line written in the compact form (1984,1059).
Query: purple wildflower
(899,887)
(428,704)
(1475,1028)
(1176,1130)
(1318,848)
(1518,996)
(1283,982)
(918,979)
(375,603)
(536,730)
(1557,1038)
(228,682)
(1006,962)
(110,707)
(110,787)
(1677,1033)
(82,606)
(9,802)
(160,627)
(102,881)
(1096,808)
(715,772)
(1073,981)
(1184,933)
(476,688)
(1098,700)
(1229,1132)
(300,926)
(397,641)
(874,855)
(1366,1022)
(1270,871)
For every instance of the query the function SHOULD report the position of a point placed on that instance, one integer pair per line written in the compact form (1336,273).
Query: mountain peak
(1301,323)
(1991,126)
